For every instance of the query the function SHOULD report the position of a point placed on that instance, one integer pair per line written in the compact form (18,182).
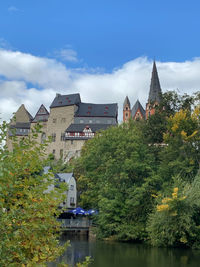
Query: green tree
(176,219)
(113,173)
(29,231)
(181,154)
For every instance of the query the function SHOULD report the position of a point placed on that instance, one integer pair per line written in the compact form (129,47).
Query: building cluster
(155,96)
(71,122)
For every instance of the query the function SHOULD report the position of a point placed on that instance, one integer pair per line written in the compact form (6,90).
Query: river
(114,254)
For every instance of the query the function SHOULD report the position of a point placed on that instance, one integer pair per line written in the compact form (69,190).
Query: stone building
(20,125)
(155,96)
(69,124)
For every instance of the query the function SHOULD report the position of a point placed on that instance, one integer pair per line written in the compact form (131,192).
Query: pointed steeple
(138,108)
(155,93)
(126,102)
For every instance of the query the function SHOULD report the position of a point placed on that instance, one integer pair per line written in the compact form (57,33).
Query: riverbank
(117,254)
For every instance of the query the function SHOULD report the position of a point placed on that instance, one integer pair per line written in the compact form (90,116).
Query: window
(63,120)
(62,137)
(126,115)
(72,187)
(109,121)
(97,121)
(43,137)
(90,121)
(61,153)
(53,136)
(54,120)
(126,108)
(54,152)
(71,200)
(81,121)
(72,142)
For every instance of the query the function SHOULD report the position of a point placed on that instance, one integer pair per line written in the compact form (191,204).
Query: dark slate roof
(41,115)
(19,129)
(97,110)
(65,100)
(64,177)
(80,127)
(126,102)
(136,107)
(155,93)
(21,125)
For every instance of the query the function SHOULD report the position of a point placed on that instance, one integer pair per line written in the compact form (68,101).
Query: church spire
(127,103)
(155,93)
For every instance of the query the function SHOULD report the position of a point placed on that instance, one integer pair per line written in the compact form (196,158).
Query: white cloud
(47,77)
(66,54)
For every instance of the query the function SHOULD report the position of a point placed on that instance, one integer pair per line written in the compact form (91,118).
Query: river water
(113,254)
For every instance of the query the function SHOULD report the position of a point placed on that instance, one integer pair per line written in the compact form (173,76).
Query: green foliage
(121,169)
(176,221)
(113,176)
(28,227)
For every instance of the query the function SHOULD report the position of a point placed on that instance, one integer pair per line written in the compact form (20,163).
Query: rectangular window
(62,137)
(54,120)
(53,136)
(71,200)
(72,187)
(54,152)
(81,121)
(90,121)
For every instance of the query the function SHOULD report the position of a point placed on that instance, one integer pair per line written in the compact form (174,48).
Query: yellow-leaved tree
(29,231)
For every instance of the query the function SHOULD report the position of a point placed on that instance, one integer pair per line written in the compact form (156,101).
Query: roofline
(64,106)
(96,116)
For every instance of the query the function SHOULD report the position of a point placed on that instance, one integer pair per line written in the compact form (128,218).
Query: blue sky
(101,49)
(104,33)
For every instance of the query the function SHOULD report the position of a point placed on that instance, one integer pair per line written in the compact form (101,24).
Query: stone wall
(59,119)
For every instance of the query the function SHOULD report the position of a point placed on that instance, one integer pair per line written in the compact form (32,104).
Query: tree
(176,219)
(113,173)
(181,155)
(29,231)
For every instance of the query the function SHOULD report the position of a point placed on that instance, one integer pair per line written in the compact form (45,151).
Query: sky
(102,49)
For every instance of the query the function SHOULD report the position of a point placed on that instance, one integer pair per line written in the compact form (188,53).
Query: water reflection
(106,254)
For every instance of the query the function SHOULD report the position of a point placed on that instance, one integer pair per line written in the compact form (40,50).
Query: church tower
(155,93)
(126,110)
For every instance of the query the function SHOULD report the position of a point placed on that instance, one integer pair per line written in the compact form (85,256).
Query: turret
(126,109)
